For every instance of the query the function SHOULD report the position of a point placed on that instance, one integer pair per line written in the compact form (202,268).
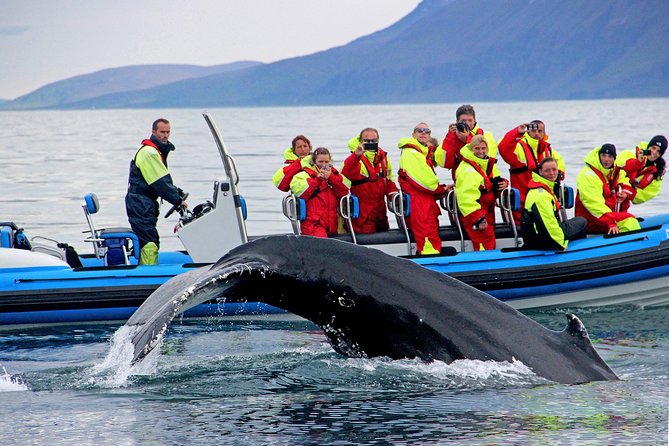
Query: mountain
(114,80)
(452,51)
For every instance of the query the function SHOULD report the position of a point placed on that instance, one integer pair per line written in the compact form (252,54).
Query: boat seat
(295,210)
(567,197)
(11,236)
(114,245)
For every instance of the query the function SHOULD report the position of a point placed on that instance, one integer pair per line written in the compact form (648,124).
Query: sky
(43,41)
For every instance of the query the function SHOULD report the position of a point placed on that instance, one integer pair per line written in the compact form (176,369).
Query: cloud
(13,30)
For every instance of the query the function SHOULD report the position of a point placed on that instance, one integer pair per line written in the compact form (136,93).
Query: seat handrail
(504,203)
(449,203)
(289,208)
(345,204)
(396,205)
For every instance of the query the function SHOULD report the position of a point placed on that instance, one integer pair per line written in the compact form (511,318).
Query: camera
(371,146)
(646,152)
(533,126)
(462,126)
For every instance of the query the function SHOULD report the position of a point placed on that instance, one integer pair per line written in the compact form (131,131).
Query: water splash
(9,383)
(463,373)
(116,369)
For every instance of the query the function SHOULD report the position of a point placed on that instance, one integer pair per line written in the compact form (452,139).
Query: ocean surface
(277,381)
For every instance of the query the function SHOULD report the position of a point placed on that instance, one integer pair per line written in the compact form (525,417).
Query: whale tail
(371,304)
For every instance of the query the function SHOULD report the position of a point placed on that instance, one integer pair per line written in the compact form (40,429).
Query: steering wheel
(176,206)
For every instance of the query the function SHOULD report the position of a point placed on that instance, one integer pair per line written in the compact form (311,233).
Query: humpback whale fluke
(372,304)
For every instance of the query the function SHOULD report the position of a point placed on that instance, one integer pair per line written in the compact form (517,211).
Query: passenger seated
(321,186)
(477,181)
(540,225)
(371,175)
(645,167)
(603,189)
(299,148)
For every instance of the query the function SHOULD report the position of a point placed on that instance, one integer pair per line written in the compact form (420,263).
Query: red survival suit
(371,181)
(523,154)
(322,199)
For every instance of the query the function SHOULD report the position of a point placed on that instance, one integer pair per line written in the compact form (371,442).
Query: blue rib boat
(44,282)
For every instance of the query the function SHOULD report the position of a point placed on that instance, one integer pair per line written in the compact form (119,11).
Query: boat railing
(508,202)
(449,203)
(291,210)
(349,209)
(399,203)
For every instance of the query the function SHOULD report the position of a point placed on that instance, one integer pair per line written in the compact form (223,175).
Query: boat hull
(625,269)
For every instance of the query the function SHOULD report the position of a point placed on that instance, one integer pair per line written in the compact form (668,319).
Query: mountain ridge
(450,51)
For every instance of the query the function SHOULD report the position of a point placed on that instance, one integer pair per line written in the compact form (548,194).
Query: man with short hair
(459,134)
(371,175)
(603,188)
(523,148)
(149,180)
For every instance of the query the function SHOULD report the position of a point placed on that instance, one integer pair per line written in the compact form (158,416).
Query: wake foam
(9,383)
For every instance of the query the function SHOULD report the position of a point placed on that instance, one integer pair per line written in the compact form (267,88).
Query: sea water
(277,381)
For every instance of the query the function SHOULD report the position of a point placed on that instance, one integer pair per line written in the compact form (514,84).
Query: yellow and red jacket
(284,175)
(523,154)
(321,196)
(417,168)
(642,174)
(544,207)
(447,155)
(474,184)
(597,187)
(371,174)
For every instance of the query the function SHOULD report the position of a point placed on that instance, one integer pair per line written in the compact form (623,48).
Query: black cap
(659,141)
(609,149)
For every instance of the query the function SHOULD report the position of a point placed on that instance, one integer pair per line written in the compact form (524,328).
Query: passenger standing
(299,148)
(523,148)
(460,133)
(418,179)
(645,167)
(540,226)
(371,175)
(603,189)
(477,182)
(321,186)
(149,180)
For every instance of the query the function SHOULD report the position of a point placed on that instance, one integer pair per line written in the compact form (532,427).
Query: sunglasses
(422,130)
(370,140)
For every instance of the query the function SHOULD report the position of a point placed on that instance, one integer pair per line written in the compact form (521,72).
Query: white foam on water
(9,383)
(466,372)
(116,369)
